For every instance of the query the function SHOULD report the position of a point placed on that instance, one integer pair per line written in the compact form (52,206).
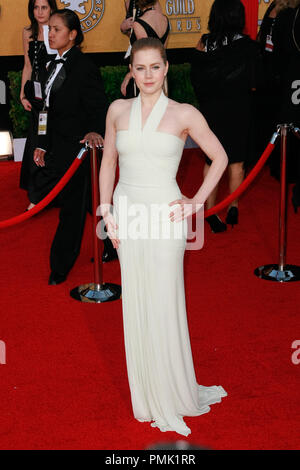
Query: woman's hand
(39,157)
(184,208)
(26,104)
(200,45)
(125,83)
(110,224)
(93,139)
(126,25)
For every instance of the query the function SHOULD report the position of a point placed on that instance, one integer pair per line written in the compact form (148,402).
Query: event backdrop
(100,20)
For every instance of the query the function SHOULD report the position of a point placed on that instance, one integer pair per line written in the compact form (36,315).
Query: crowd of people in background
(244,88)
(72,93)
(224,73)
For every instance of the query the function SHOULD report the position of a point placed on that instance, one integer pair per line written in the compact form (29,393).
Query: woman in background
(150,23)
(131,7)
(268,96)
(35,59)
(223,75)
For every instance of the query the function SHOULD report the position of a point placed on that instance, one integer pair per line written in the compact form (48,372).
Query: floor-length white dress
(158,353)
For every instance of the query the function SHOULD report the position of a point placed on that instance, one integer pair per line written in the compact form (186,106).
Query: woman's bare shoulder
(182,108)
(186,113)
(119,106)
(154,14)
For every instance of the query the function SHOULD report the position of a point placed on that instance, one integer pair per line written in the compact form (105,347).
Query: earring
(165,86)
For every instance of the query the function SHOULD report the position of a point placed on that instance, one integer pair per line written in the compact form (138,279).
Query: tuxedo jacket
(78,105)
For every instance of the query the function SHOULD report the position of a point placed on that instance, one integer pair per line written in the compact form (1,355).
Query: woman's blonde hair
(148,43)
(282,4)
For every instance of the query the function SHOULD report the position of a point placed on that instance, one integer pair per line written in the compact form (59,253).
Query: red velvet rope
(53,193)
(78,160)
(254,172)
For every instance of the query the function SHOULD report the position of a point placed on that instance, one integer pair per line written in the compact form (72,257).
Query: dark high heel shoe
(216,224)
(56,278)
(232,216)
(296,197)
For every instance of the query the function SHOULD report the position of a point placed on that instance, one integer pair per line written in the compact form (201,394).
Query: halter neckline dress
(158,352)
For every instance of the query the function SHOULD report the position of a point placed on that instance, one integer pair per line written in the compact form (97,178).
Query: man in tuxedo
(76,103)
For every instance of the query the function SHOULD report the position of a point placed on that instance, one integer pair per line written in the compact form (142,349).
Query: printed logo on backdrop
(183,17)
(90,12)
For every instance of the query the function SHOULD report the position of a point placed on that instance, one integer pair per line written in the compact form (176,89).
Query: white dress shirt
(51,81)
(53,77)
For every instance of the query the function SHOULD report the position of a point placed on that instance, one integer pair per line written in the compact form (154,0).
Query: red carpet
(64,384)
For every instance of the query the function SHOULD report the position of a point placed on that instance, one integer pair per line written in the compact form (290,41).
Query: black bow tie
(52,66)
(59,61)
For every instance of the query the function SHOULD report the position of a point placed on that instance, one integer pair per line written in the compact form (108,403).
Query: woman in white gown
(148,134)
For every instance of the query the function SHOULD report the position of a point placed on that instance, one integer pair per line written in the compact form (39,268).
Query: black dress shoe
(56,278)
(109,256)
(216,224)
(232,216)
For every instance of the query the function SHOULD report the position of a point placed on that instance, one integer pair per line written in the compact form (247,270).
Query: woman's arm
(127,23)
(200,132)
(125,82)
(126,26)
(108,172)
(140,33)
(200,45)
(109,159)
(197,127)
(27,70)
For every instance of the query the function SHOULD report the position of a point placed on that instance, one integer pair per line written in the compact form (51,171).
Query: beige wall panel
(100,19)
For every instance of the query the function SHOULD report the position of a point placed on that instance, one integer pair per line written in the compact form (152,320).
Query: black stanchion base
(271,272)
(96,293)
